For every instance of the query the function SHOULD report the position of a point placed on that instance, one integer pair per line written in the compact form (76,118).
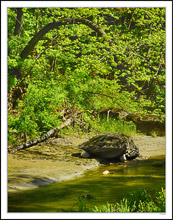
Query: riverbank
(59,159)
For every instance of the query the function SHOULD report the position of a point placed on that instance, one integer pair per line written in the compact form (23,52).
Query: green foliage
(124,69)
(136,202)
(37,112)
(161,200)
(82,205)
(12,81)
(104,208)
(114,126)
(153,134)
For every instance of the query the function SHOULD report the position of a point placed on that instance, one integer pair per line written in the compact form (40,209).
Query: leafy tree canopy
(73,64)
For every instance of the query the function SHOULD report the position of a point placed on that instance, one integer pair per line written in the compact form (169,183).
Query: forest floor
(59,159)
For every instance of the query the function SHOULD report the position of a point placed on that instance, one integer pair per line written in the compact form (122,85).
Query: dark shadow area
(78,155)
(42,181)
(100,160)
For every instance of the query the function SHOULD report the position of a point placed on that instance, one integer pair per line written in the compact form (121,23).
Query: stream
(64,196)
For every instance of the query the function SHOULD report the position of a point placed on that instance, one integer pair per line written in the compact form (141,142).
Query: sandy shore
(59,159)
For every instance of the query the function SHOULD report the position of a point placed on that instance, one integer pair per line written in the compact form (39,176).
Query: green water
(124,178)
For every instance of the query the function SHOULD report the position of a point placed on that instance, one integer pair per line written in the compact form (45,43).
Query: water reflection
(123,178)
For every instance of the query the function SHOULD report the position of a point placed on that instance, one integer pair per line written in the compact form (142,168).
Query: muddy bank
(59,159)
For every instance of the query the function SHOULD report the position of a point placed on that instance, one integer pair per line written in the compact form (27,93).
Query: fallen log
(49,134)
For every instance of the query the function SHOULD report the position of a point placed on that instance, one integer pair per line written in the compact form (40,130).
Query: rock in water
(87,196)
(111,145)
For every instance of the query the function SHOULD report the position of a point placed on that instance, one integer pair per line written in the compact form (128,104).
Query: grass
(102,126)
(116,126)
(153,134)
(134,202)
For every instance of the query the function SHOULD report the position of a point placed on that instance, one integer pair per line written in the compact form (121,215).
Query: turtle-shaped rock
(111,145)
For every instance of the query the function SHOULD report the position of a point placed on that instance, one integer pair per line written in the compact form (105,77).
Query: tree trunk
(31,44)
(49,134)
(19,21)
(26,51)
(53,25)
(17,31)
(37,20)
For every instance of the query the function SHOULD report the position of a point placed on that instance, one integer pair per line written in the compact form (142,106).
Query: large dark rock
(111,145)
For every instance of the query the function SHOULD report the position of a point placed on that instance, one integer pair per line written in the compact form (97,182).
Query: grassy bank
(134,202)
(102,126)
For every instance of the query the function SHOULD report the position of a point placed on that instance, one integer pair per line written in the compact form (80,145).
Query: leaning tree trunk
(53,25)
(31,44)
(70,115)
(49,134)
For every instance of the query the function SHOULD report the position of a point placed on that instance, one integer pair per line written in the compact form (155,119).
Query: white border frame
(4,6)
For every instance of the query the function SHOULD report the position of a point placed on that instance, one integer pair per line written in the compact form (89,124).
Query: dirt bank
(59,159)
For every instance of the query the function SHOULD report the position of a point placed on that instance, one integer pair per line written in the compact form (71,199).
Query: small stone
(106,172)
(87,196)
